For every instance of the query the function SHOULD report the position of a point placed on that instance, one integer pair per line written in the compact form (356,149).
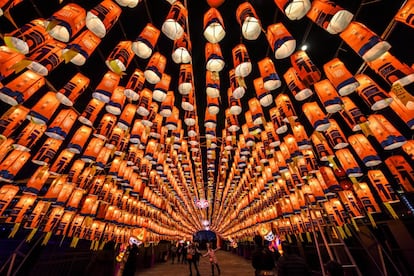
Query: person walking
(211,253)
(184,254)
(262,259)
(173,252)
(179,252)
(291,263)
(191,259)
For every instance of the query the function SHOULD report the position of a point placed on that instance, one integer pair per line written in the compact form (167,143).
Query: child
(212,256)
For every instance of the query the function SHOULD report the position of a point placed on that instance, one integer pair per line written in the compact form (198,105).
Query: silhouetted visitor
(211,253)
(184,254)
(173,252)
(290,263)
(262,259)
(131,262)
(334,268)
(191,252)
(179,252)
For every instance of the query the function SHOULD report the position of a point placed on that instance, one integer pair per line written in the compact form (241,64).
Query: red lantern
(364,150)
(306,69)
(330,16)
(145,43)
(371,93)
(81,48)
(92,150)
(402,172)
(167,106)
(316,117)
(294,10)
(105,126)
(213,24)
(185,81)
(281,41)
(61,162)
(91,112)
(182,50)
(116,104)
(335,136)
(271,80)
(249,21)
(382,185)
(212,84)
(120,57)
(352,115)
(286,109)
(348,162)
(155,68)
(13,118)
(47,152)
(385,133)
(296,86)
(214,57)
(365,195)
(62,124)
(46,58)
(328,96)
(65,24)
(7,194)
(264,96)
(241,61)
(161,88)
(43,110)
(340,77)
(12,164)
(364,42)
(106,86)
(135,85)
(21,88)
(174,25)
(72,89)
(405,14)
(102,17)
(25,202)
(79,139)
(37,180)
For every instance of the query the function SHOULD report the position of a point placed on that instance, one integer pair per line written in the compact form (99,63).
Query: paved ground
(230,265)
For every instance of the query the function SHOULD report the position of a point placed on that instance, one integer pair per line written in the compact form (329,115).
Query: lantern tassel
(308,237)
(371,219)
(47,238)
(21,65)
(31,235)
(391,210)
(14,230)
(69,55)
(354,223)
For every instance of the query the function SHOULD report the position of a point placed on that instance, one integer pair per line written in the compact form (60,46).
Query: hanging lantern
(407,147)
(296,86)
(106,124)
(212,84)
(301,137)
(25,202)
(135,85)
(231,121)
(167,105)
(285,107)
(367,199)
(316,117)
(329,16)
(92,150)
(234,104)
(271,80)
(249,21)
(343,81)
(256,111)
(47,152)
(210,120)
(27,38)
(153,110)
(61,162)
(271,135)
(21,88)
(364,42)
(114,138)
(7,194)
(306,69)
(136,132)
(185,81)
(145,101)
(155,68)
(120,57)
(28,137)
(127,116)
(103,158)
(46,58)
(322,147)
(64,24)
(182,50)
(352,115)
(81,48)
(348,162)
(213,26)
(190,118)
(89,206)
(392,70)
(406,114)
(371,93)
(277,120)
(72,89)
(264,96)
(12,119)
(328,96)
(350,203)
(383,187)
(6,145)
(214,57)
(402,172)
(91,112)
(294,9)
(106,86)
(188,102)
(62,124)
(79,139)
(145,43)
(241,61)
(237,85)
(405,14)
(9,58)
(102,17)
(174,25)
(385,133)
(43,110)
(335,136)
(160,90)
(328,177)
(281,41)
(117,101)
(12,164)
(364,150)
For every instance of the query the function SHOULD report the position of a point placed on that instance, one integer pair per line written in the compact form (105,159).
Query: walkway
(230,265)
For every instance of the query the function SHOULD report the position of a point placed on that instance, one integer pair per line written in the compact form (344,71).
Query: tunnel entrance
(203,237)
